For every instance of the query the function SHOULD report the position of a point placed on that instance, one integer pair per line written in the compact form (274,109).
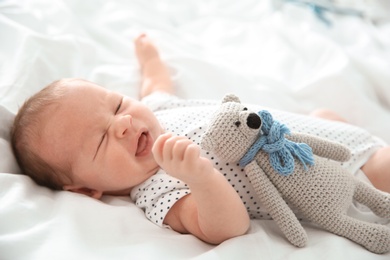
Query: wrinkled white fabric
(283,58)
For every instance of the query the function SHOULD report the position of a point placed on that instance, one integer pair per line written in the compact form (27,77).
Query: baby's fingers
(158,146)
(192,152)
(168,147)
(194,158)
(180,149)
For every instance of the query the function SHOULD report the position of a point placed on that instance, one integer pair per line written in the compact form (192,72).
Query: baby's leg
(155,75)
(377,168)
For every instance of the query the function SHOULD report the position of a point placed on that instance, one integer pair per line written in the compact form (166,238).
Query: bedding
(279,54)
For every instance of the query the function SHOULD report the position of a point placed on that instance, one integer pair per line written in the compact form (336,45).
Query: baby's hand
(180,158)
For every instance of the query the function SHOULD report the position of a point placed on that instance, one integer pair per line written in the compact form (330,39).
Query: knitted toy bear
(293,169)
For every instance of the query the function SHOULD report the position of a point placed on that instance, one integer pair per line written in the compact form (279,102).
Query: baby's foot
(154,73)
(145,50)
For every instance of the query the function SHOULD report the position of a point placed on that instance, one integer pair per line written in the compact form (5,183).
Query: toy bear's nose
(253,121)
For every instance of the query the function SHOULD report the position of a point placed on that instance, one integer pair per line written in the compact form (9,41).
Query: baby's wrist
(202,181)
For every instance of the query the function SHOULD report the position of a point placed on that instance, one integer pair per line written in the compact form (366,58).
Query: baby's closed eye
(119,106)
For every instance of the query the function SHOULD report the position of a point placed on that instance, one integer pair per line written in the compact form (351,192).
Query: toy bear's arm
(322,147)
(277,207)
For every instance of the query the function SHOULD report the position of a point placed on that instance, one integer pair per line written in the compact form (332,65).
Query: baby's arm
(213,211)
(155,75)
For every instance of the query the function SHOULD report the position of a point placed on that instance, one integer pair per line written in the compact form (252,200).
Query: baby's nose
(253,121)
(122,125)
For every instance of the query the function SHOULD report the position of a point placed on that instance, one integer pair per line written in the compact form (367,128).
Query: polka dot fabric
(189,117)
(158,194)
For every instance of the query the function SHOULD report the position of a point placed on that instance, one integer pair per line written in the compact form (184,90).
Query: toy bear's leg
(374,237)
(277,207)
(377,201)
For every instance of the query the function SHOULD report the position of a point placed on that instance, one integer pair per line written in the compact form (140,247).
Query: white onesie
(189,118)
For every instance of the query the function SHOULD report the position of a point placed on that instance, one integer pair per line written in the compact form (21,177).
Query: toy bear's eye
(245,109)
(238,123)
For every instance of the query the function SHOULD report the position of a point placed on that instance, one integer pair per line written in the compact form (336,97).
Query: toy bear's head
(232,130)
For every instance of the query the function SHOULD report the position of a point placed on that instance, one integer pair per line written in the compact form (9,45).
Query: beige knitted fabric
(322,193)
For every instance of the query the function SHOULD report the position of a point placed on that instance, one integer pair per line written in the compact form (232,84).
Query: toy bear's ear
(230,98)
(206,142)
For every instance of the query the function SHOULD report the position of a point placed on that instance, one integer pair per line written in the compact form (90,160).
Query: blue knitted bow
(280,150)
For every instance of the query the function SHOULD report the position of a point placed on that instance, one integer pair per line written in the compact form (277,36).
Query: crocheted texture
(281,151)
(322,193)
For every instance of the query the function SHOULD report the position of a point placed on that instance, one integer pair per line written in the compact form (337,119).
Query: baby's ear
(82,190)
(230,98)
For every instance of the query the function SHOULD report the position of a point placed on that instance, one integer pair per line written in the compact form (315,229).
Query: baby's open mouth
(143,144)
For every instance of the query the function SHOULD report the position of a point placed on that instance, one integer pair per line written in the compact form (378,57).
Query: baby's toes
(139,40)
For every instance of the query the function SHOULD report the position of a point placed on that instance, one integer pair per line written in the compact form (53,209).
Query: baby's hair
(26,134)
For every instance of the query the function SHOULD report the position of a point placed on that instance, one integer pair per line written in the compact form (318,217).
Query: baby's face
(106,137)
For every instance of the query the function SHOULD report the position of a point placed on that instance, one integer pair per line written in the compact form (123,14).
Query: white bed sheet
(284,58)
